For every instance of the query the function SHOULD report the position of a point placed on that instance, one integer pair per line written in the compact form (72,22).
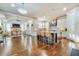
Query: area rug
(75,52)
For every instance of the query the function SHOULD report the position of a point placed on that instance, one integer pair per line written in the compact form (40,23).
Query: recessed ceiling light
(64,9)
(13,5)
(22,11)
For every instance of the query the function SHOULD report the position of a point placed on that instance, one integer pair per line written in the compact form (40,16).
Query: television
(16,25)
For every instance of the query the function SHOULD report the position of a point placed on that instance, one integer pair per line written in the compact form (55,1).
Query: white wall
(73,24)
(61,23)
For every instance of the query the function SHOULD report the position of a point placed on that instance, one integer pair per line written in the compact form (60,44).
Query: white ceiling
(35,10)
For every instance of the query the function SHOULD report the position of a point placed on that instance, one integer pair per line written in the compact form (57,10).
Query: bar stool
(1,41)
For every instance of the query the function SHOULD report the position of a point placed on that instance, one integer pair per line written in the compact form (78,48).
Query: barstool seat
(1,41)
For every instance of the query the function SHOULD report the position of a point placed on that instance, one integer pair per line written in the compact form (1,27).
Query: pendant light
(22,9)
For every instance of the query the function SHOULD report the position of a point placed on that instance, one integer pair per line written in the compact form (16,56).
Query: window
(43,25)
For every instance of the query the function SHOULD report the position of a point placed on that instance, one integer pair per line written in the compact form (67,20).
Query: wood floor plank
(20,47)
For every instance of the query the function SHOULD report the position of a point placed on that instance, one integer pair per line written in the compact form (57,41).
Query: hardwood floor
(30,46)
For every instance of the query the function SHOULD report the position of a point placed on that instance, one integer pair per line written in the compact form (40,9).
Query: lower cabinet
(51,39)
